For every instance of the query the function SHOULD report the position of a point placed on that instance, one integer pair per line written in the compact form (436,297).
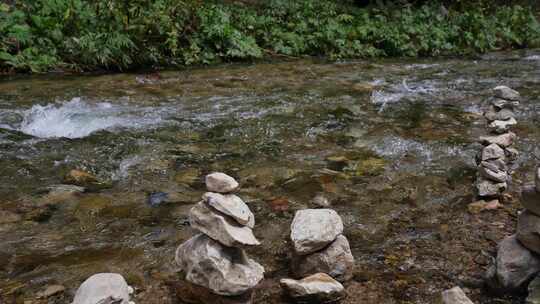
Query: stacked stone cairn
(322,257)
(497,152)
(215,258)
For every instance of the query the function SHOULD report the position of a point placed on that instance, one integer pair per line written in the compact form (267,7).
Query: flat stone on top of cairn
(220,183)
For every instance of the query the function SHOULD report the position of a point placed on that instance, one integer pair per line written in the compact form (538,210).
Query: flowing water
(391,144)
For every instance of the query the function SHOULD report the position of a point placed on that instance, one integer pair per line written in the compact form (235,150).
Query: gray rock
(511,154)
(321,201)
(534,292)
(514,267)
(232,206)
(220,227)
(504,104)
(528,230)
(501,126)
(318,288)
(314,229)
(492,170)
(488,188)
(506,93)
(503,140)
(502,114)
(455,296)
(335,260)
(224,270)
(530,199)
(492,151)
(103,288)
(220,182)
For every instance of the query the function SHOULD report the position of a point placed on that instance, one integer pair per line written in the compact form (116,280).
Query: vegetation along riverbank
(82,35)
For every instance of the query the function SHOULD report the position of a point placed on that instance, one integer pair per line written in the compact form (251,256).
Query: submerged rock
(80,178)
(528,230)
(506,93)
(220,227)
(314,229)
(220,182)
(501,126)
(188,292)
(492,151)
(224,270)
(514,266)
(455,296)
(318,288)
(103,288)
(232,206)
(335,260)
(503,140)
(51,291)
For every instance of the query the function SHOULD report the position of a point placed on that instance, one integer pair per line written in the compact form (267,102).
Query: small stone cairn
(322,257)
(215,258)
(497,152)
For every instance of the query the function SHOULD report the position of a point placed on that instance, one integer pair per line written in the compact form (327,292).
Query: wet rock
(220,227)
(501,126)
(224,270)
(314,229)
(80,178)
(61,193)
(506,93)
(528,230)
(50,291)
(7,217)
(492,151)
(534,292)
(318,288)
(220,182)
(157,198)
(335,260)
(530,199)
(492,170)
(481,205)
(455,296)
(488,188)
(503,114)
(503,140)
(321,201)
(232,206)
(279,204)
(103,288)
(514,266)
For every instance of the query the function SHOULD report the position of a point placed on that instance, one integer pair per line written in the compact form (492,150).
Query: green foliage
(43,35)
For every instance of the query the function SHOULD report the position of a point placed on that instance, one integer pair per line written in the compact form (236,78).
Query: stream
(390,143)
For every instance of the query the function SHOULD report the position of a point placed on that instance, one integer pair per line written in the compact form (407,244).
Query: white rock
(232,206)
(335,260)
(225,270)
(488,188)
(103,288)
(492,151)
(503,140)
(506,93)
(314,229)
(220,182)
(318,288)
(492,172)
(455,296)
(502,126)
(220,227)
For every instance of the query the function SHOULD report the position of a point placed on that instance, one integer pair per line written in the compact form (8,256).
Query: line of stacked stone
(497,153)
(215,258)
(322,257)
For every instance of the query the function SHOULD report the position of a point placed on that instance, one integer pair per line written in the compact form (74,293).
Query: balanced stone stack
(322,253)
(215,258)
(497,152)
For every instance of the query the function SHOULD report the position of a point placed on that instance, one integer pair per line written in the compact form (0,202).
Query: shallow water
(390,143)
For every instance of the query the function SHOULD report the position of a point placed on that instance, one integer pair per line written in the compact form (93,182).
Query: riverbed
(390,144)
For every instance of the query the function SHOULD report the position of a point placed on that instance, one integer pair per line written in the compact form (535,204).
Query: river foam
(77,118)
